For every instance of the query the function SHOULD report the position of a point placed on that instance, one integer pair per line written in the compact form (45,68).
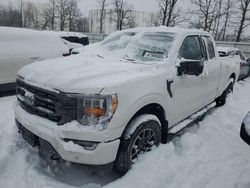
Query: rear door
(211,71)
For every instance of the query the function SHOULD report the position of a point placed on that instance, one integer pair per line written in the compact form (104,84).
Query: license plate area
(32,139)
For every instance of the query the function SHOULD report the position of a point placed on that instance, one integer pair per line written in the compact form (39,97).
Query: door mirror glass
(190,67)
(245,129)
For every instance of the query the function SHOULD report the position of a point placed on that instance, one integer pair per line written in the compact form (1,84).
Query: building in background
(135,19)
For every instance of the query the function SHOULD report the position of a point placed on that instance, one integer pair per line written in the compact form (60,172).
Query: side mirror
(190,67)
(245,129)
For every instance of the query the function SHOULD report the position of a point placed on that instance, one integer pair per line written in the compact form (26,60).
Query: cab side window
(210,47)
(191,48)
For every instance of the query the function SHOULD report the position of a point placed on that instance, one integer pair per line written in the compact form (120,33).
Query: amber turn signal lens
(98,112)
(114,103)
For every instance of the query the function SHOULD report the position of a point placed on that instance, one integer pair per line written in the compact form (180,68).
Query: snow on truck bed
(208,155)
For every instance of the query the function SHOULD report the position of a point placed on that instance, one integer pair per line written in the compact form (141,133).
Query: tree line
(225,19)
(54,15)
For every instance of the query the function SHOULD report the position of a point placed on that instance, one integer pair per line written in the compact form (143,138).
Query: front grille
(55,106)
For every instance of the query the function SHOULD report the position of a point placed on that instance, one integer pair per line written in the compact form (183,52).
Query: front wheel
(221,100)
(140,136)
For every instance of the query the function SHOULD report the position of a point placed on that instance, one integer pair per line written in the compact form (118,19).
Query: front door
(189,90)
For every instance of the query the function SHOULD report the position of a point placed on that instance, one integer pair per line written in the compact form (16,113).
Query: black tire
(221,100)
(126,155)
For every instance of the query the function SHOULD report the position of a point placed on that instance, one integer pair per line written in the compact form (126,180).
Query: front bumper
(104,153)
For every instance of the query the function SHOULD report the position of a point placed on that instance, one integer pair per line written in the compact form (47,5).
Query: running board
(198,116)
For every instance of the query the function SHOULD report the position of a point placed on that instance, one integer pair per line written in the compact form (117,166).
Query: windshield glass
(118,40)
(138,47)
(150,46)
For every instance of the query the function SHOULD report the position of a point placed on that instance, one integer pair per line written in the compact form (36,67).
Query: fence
(245,47)
(95,37)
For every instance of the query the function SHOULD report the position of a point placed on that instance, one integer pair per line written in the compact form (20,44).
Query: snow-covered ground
(208,155)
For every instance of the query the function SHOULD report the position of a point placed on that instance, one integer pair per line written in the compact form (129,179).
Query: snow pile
(208,155)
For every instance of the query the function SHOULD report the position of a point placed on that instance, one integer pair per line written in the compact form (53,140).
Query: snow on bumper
(105,151)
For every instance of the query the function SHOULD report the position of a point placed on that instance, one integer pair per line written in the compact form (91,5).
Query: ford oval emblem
(29,98)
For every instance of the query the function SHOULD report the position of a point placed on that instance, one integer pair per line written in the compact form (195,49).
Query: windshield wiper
(126,57)
(99,55)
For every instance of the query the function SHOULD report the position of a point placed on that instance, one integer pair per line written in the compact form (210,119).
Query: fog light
(88,145)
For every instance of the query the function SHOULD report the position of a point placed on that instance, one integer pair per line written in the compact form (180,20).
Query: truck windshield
(139,47)
(149,46)
(118,40)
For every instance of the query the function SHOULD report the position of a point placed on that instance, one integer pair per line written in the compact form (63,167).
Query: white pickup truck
(121,96)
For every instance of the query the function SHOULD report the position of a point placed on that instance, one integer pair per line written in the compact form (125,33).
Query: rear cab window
(207,41)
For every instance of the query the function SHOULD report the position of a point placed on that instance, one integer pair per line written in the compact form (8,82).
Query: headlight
(96,110)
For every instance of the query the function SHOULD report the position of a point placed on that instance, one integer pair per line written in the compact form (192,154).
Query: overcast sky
(86,5)
(146,5)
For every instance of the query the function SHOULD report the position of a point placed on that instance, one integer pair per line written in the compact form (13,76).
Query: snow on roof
(160,29)
(165,29)
(226,49)
(65,34)
(70,34)
(16,32)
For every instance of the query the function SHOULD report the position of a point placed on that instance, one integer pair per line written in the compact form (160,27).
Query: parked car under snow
(245,129)
(20,47)
(244,61)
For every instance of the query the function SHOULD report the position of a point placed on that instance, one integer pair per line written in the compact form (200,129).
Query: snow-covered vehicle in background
(245,129)
(20,47)
(74,37)
(123,97)
(244,61)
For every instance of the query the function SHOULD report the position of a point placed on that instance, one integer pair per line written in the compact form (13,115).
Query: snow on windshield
(142,47)
(117,40)
(150,46)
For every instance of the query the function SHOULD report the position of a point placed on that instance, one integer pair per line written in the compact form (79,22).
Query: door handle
(34,58)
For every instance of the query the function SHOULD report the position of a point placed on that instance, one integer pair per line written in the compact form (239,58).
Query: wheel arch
(154,109)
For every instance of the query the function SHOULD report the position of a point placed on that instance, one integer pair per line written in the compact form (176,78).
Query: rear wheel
(141,135)
(221,100)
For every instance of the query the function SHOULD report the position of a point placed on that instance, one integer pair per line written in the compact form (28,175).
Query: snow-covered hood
(83,73)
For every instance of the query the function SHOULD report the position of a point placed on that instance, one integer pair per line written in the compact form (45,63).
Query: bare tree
(82,25)
(122,11)
(102,4)
(219,15)
(73,14)
(31,16)
(62,7)
(167,11)
(244,19)
(49,15)
(10,16)
(226,20)
(131,21)
(178,18)
(206,13)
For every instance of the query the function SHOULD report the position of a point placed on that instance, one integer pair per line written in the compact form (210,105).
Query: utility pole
(21,13)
